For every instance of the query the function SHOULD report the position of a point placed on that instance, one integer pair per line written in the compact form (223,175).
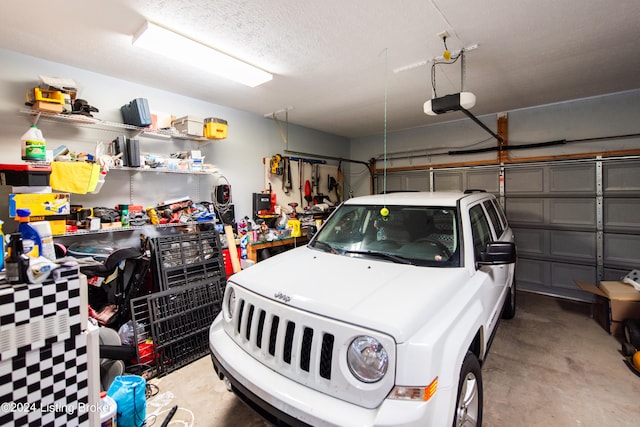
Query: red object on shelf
(26,174)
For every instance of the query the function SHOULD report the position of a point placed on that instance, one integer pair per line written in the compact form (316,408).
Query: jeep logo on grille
(282,297)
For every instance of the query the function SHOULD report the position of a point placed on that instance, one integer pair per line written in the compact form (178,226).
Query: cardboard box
(615,302)
(48,107)
(40,204)
(58,223)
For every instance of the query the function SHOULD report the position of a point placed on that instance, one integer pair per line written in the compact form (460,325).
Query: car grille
(306,348)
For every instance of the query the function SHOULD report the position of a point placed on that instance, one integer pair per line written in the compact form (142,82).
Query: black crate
(181,259)
(179,321)
(145,356)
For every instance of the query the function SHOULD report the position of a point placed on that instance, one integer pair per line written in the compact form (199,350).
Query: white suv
(383,319)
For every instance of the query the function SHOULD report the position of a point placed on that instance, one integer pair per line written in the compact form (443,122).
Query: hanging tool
(275,165)
(307,192)
(300,177)
(340,184)
(286,175)
(332,184)
(315,178)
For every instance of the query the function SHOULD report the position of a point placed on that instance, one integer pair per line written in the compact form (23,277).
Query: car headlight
(367,359)
(231,301)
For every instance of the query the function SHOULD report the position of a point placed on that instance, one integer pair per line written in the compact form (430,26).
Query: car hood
(381,295)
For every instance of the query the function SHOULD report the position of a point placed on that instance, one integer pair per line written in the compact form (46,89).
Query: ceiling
(349,67)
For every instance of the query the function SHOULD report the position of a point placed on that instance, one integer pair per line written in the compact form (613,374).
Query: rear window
(494,216)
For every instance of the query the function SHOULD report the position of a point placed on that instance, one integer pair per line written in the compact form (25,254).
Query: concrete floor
(552,365)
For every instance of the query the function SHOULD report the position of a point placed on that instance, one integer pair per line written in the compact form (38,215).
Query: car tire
(628,349)
(468,411)
(509,308)
(632,332)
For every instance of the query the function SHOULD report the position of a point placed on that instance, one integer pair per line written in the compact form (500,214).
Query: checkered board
(43,353)
(46,387)
(33,316)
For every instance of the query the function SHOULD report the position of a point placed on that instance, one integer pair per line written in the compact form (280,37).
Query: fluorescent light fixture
(179,48)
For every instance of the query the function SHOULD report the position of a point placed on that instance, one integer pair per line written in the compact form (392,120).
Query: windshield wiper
(395,258)
(320,243)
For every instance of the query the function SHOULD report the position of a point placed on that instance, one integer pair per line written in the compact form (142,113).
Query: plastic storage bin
(189,125)
(215,128)
(136,113)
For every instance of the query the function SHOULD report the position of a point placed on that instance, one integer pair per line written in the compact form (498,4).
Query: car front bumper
(281,400)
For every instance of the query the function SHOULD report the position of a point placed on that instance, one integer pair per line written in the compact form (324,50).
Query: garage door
(572,219)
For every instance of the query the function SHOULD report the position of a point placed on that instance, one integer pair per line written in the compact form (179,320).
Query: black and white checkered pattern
(43,354)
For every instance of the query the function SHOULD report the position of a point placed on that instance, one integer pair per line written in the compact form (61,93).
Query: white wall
(239,157)
(596,117)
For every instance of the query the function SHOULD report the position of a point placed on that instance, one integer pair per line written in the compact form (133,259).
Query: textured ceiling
(335,62)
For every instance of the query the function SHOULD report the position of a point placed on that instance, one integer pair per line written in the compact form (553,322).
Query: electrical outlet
(443,34)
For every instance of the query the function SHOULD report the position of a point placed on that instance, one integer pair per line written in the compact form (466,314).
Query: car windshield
(419,235)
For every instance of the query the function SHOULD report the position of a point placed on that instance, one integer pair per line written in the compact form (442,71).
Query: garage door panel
(525,180)
(572,179)
(532,272)
(526,211)
(621,177)
(530,241)
(572,212)
(451,181)
(563,277)
(573,245)
(554,278)
(622,249)
(562,212)
(394,183)
(488,180)
(418,181)
(622,214)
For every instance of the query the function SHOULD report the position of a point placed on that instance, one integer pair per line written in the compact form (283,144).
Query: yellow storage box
(215,128)
(45,95)
(40,204)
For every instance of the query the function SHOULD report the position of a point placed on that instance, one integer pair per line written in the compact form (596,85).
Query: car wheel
(509,309)
(469,403)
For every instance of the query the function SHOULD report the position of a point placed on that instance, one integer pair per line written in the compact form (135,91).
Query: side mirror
(498,253)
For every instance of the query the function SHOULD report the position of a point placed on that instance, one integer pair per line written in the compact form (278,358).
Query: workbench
(254,247)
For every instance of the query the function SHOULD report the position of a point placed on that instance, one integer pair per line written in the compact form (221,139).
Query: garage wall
(251,137)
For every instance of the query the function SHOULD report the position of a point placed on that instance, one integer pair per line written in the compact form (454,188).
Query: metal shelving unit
(92,122)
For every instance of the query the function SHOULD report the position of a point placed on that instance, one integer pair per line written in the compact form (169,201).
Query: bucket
(108,411)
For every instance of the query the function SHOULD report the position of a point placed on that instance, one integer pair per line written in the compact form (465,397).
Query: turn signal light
(415,393)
